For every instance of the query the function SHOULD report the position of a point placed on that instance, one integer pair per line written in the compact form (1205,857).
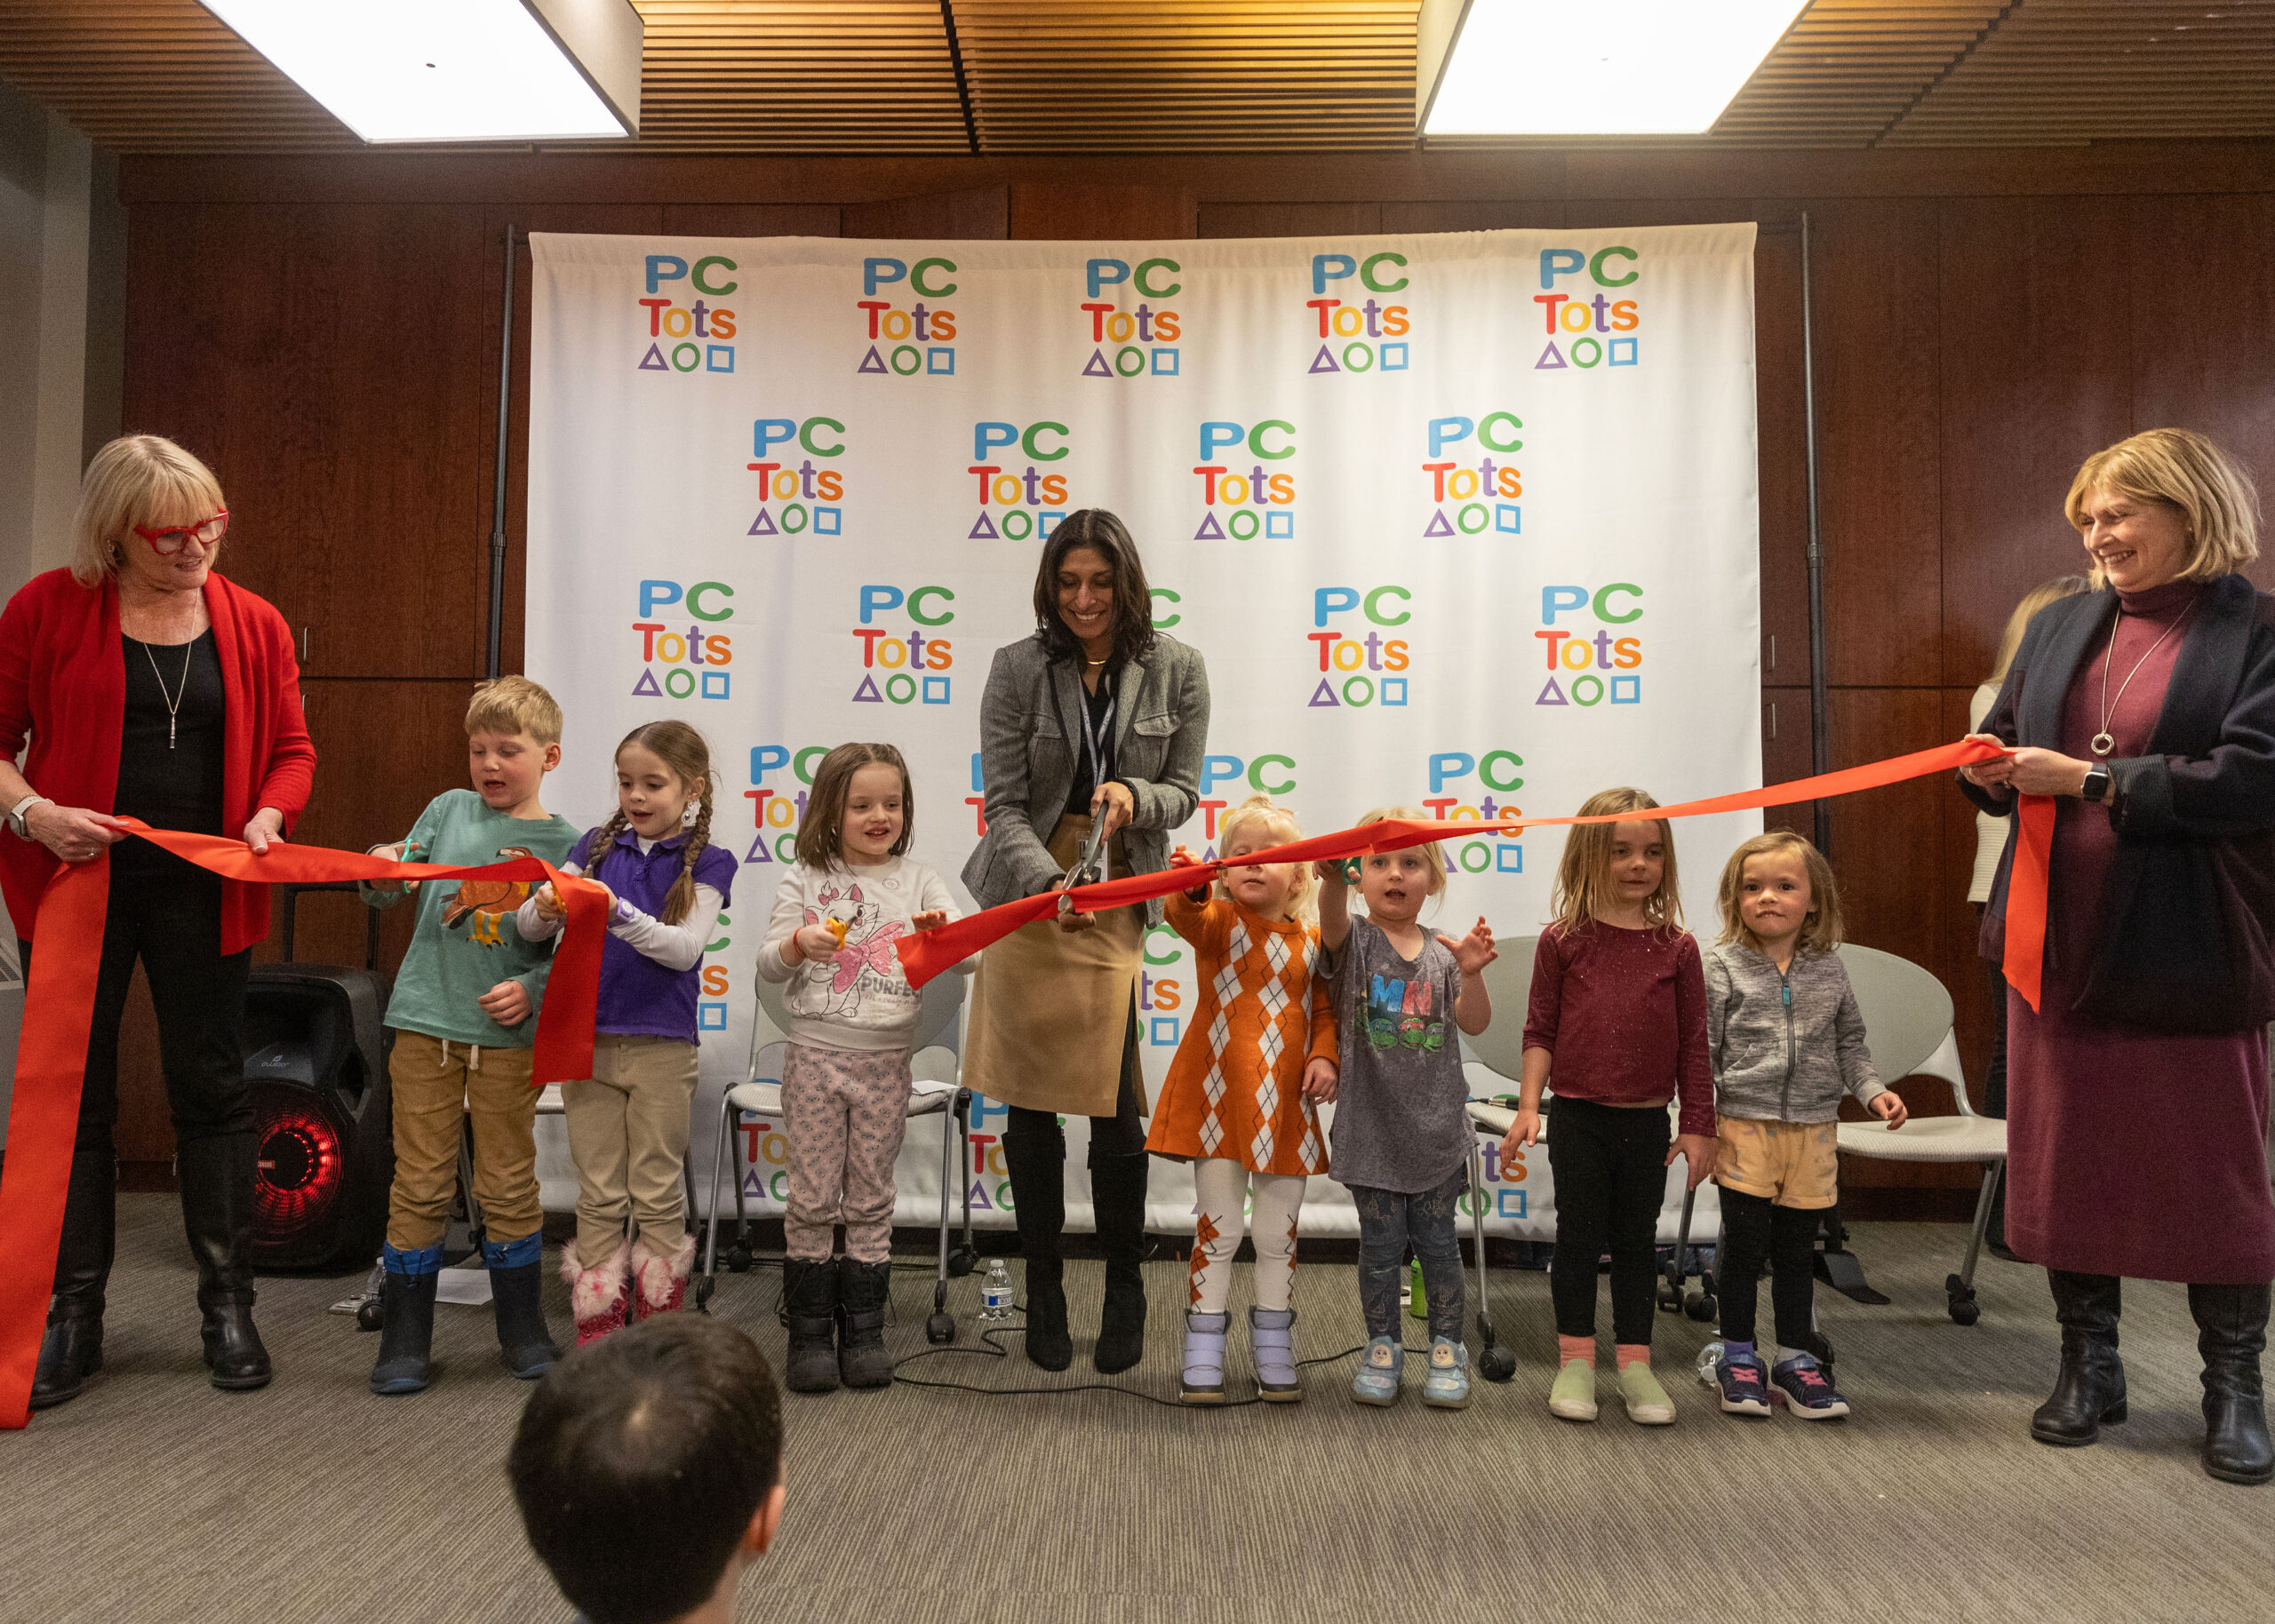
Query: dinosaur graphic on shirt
(487,901)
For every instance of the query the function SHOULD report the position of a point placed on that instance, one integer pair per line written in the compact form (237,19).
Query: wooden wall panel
(979,213)
(1076,208)
(752,219)
(1308,219)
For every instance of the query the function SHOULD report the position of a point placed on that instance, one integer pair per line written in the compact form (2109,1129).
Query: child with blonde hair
(1240,1101)
(1617,1022)
(1402,1115)
(1786,1041)
(629,1121)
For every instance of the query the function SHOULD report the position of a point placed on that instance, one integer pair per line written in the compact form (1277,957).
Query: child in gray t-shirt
(1402,1131)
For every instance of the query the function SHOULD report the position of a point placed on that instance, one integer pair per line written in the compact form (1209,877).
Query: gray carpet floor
(153,1496)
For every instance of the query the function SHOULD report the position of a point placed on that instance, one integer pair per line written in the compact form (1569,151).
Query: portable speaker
(317,1047)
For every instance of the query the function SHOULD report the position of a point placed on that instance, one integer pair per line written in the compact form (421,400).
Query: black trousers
(169,917)
(1609,1164)
(1755,1231)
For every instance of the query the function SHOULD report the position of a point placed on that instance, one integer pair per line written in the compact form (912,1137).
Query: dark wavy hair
(1133,600)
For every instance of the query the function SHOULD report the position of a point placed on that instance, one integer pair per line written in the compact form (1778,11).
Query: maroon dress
(2129,1152)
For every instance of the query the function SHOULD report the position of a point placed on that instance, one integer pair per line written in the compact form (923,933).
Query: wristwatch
(2096,788)
(16,815)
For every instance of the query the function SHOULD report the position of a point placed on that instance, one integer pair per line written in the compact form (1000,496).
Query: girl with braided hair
(629,1121)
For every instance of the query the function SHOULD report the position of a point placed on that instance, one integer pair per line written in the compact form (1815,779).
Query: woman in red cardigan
(151,687)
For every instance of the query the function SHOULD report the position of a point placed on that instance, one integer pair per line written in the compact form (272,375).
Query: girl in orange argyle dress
(1241,1099)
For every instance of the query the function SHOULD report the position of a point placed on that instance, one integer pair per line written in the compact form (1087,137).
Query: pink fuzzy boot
(660,1278)
(599,1295)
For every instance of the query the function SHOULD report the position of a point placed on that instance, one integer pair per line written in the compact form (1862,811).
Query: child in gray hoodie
(1786,1041)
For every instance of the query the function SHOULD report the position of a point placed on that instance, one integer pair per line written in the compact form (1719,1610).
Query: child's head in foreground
(648,1467)
(513,739)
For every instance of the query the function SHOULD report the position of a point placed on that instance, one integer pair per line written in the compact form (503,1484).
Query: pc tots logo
(1469,497)
(700,329)
(1588,667)
(909,663)
(1595,329)
(1357,665)
(1242,503)
(905,340)
(776,808)
(1144,340)
(688,661)
(1017,502)
(1359,333)
(1491,772)
(794,498)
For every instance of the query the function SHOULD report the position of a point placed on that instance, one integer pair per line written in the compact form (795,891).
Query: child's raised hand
(817,941)
(549,905)
(1699,1151)
(1331,871)
(1475,951)
(507,1003)
(1523,1133)
(931,919)
(1182,858)
(1891,1109)
(1319,1081)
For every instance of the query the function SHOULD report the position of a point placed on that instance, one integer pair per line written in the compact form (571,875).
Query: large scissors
(1087,868)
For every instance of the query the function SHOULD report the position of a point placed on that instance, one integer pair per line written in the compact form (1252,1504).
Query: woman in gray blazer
(1097,718)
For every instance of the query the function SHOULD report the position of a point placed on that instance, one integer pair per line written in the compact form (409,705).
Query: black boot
(73,1348)
(1038,1175)
(407,1284)
(2232,1333)
(863,1290)
(809,1299)
(2091,1388)
(1118,1198)
(216,1195)
(524,1340)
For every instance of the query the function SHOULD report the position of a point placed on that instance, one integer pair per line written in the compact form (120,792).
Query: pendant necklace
(2103,742)
(173,701)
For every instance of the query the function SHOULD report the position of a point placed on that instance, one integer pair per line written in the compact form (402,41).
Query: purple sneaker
(1744,1385)
(1807,1393)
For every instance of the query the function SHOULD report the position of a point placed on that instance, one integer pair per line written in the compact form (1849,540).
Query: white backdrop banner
(1462,522)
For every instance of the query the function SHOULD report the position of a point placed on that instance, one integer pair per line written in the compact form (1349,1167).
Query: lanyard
(1097,737)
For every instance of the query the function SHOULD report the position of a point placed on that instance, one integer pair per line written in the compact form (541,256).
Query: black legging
(1609,1165)
(1754,1230)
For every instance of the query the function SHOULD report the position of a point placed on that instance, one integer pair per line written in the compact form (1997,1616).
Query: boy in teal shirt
(465,1014)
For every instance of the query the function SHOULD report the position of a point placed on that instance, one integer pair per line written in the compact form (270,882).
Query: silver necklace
(173,701)
(2103,742)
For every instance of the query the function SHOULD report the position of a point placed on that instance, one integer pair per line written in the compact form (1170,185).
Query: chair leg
(964,1130)
(1494,1363)
(711,1223)
(1992,1173)
(947,1173)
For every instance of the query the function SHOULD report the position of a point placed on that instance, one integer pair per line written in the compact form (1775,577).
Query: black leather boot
(407,1324)
(216,1195)
(1037,1168)
(809,1300)
(524,1340)
(2232,1333)
(863,1289)
(1118,1197)
(72,1351)
(2091,1388)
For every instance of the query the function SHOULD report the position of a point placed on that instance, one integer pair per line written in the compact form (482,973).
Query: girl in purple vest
(629,1121)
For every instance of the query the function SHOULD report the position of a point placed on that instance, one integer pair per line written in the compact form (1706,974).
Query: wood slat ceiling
(1197,76)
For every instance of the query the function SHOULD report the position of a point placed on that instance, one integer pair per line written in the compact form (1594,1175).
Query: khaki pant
(436,1086)
(628,1129)
(1792,1164)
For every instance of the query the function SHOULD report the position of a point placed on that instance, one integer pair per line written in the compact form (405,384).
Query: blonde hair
(1431,853)
(681,748)
(514,704)
(1302,901)
(137,478)
(821,837)
(2180,469)
(1583,875)
(2036,598)
(1821,930)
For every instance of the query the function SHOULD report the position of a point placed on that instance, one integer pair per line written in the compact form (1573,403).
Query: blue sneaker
(1807,1393)
(1380,1369)
(1446,1383)
(1744,1385)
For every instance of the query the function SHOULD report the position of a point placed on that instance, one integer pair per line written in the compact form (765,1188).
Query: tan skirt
(1050,1008)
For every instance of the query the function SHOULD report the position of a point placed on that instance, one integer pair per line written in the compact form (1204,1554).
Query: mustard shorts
(1793,1164)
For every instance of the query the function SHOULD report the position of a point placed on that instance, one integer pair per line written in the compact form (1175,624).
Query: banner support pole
(1820,750)
(494,648)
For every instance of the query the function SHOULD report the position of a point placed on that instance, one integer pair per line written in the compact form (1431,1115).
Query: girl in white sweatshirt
(845,1079)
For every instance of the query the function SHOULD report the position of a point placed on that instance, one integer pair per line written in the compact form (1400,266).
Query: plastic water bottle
(995,1293)
(1417,1300)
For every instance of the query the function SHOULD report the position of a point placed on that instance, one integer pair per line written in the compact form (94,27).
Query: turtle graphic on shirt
(487,901)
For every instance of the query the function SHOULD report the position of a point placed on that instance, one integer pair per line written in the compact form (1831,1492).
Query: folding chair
(1500,1049)
(937,1031)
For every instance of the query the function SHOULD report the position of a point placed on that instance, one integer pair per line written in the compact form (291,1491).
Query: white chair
(760,1094)
(1908,1027)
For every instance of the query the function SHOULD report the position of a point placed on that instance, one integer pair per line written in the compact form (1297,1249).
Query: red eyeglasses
(205,532)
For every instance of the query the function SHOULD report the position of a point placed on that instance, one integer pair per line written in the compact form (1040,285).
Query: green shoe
(1648,1404)
(1574,1396)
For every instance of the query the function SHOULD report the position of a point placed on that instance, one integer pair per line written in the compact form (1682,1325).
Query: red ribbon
(59,1014)
(929,953)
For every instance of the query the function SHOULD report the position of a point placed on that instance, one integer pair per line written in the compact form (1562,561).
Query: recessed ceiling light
(1611,67)
(456,70)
